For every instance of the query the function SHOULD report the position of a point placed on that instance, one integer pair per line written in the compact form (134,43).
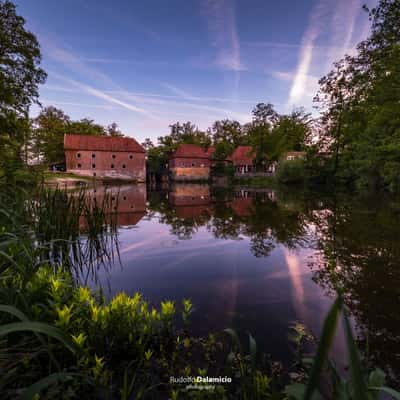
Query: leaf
(357,378)
(235,339)
(295,390)
(395,394)
(253,350)
(376,379)
(39,327)
(13,311)
(328,332)
(37,387)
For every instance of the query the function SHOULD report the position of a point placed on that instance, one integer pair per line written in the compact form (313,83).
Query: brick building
(189,162)
(243,159)
(105,157)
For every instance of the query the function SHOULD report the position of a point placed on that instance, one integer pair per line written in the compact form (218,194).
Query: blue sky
(148,63)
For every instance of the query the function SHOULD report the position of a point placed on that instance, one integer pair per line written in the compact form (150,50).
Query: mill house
(105,157)
(189,162)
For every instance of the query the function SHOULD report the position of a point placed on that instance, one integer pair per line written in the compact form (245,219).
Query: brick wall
(107,164)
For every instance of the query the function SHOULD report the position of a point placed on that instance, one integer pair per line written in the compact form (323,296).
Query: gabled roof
(101,143)
(189,151)
(242,155)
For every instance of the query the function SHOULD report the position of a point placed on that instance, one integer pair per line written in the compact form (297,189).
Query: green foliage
(291,171)
(360,100)
(20,76)
(49,128)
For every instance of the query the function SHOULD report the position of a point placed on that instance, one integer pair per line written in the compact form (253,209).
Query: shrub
(291,171)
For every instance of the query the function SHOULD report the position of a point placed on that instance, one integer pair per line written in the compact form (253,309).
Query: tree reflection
(359,241)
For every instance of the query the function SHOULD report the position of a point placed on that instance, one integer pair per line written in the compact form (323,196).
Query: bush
(291,171)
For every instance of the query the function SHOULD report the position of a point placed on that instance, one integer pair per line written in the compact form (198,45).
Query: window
(130,156)
(113,156)
(183,164)
(79,165)
(93,165)
(192,164)
(94,173)
(112,165)
(124,197)
(78,155)
(123,166)
(93,155)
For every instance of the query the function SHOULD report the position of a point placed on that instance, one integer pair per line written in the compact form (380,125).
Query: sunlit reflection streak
(293,264)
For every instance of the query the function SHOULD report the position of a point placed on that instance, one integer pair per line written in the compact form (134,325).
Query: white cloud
(221,24)
(339,23)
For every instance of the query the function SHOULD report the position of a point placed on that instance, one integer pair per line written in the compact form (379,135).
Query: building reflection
(190,201)
(124,205)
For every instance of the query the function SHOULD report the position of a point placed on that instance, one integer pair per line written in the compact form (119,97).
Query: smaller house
(189,162)
(243,159)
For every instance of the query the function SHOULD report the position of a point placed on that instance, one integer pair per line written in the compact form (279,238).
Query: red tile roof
(211,151)
(101,143)
(189,151)
(242,155)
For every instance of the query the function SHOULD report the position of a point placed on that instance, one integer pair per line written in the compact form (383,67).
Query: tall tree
(20,76)
(360,99)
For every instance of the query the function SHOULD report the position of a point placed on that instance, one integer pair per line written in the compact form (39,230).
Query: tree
(360,100)
(49,128)
(86,126)
(291,133)
(148,144)
(20,76)
(264,114)
(226,136)
(112,130)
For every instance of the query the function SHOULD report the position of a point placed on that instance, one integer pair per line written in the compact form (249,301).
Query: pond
(259,260)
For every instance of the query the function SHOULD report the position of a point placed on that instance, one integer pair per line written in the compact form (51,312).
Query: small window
(112,165)
(79,165)
(192,164)
(94,173)
(93,165)
(130,156)
(112,198)
(123,166)
(78,155)
(93,155)
(113,156)
(124,197)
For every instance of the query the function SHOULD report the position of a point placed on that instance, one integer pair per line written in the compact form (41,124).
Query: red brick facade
(189,162)
(105,157)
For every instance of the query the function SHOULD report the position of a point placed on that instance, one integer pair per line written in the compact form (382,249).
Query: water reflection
(261,259)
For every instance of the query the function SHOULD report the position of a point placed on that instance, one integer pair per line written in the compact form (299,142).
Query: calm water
(259,260)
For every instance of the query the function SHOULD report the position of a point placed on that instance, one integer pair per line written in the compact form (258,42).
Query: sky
(147,64)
